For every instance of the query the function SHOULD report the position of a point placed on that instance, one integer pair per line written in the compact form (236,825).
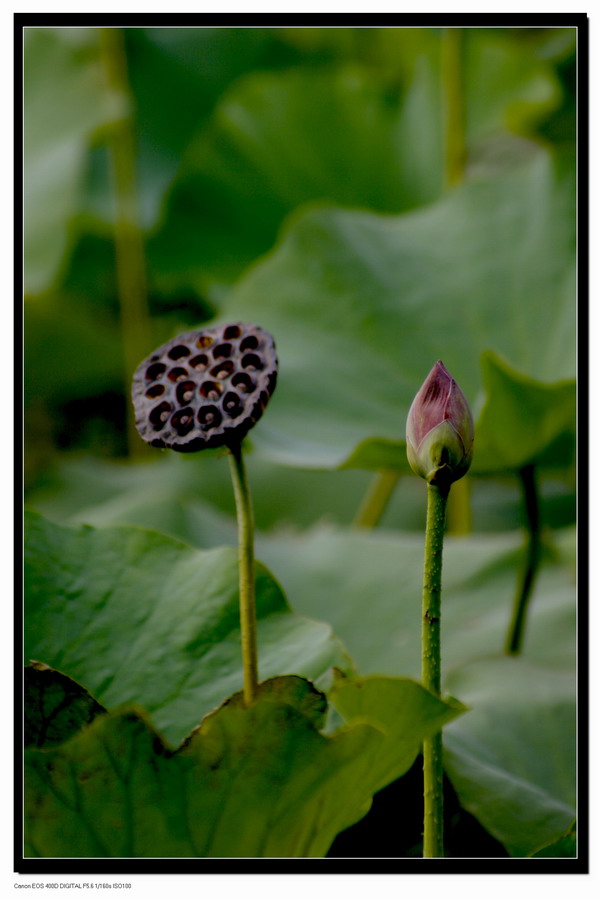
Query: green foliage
(176,77)
(250,782)
(565,847)
(524,421)
(139,617)
(324,564)
(56,707)
(513,760)
(368,298)
(271,147)
(298,178)
(61,113)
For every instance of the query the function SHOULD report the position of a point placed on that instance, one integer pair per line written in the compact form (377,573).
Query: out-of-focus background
(174,175)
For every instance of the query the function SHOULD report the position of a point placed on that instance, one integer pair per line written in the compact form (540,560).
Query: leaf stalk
(531,504)
(433,773)
(375,501)
(129,243)
(455,145)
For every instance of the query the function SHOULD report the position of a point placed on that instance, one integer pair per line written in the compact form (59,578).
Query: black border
(95,868)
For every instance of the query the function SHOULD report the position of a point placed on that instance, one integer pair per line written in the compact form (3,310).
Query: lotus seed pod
(439,430)
(205,388)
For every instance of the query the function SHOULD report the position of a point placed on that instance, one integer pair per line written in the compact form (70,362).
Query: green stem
(243,502)
(514,638)
(129,246)
(433,773)
(455,152)
(376,499)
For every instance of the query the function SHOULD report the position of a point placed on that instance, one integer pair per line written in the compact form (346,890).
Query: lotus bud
(439,430)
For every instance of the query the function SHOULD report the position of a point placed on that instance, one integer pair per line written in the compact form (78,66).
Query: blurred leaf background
(378,199)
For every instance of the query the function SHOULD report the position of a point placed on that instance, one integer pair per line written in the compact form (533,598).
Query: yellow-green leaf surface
(362,305)
(368,586)
(564,847)
(523,421)
(513,760)
(262,781)
(278,140)
(136,616)
(363,130)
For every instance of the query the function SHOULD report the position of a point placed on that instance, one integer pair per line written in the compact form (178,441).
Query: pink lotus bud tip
(439,430)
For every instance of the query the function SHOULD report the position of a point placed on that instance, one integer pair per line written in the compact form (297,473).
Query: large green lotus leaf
(513,760)
(56,707)
(137,616)
(176,76)
(368,587)
(368,136)
(64,104)
(190,495)
(276,141)
(362,305)
(523,421)
(250,782)
(565,846)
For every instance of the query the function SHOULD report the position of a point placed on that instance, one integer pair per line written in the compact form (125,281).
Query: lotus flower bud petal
(439,430)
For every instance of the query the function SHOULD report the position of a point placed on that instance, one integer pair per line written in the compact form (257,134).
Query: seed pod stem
(245,517)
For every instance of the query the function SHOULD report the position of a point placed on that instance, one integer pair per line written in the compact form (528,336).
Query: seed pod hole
(155,371)
(177,374)
(155,391)
(232,404)
(252,362)
(179,352)
(223,369)
(212,390)
(183,420)
(242,382)
(209,417)
(205,388)
(221,351)
(185,392)
(249,343)
(199,362)
(159,415)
